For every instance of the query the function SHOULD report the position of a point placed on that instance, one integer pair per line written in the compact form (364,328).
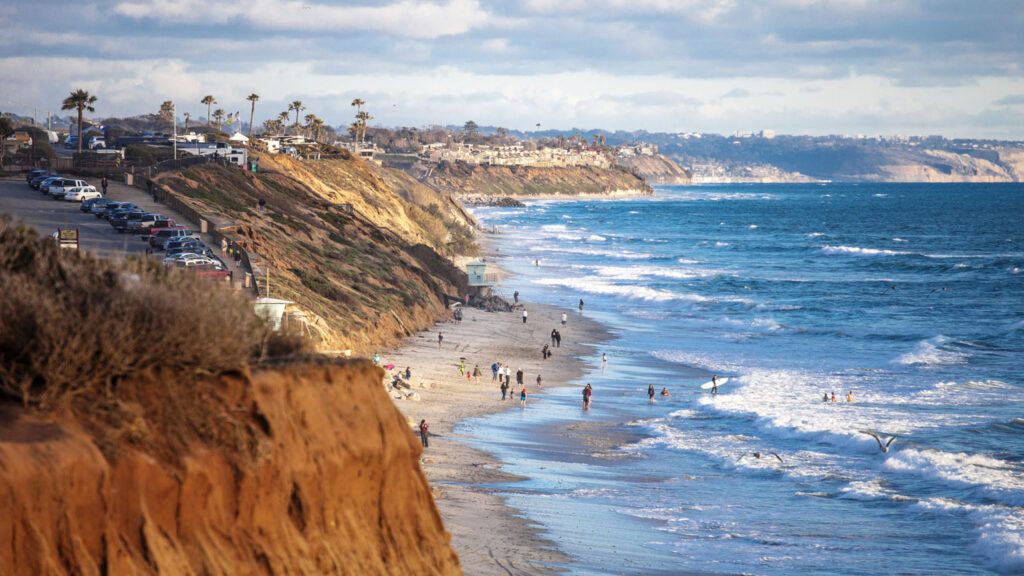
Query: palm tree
(254,97)
(282,120)
(209,100)
(6,129)
(310,119)
(362,118)
(218,117)
(187,117)
(298,107)
(359,103)
(318,126)
(79,100)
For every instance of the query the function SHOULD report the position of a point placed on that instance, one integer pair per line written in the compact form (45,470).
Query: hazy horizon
(800,67)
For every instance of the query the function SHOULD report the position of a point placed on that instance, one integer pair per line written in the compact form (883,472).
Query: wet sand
(489,536)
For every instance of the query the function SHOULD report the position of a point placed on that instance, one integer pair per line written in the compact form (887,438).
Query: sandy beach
(489,536)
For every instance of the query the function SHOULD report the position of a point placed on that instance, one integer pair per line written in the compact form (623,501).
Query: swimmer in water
(664,391)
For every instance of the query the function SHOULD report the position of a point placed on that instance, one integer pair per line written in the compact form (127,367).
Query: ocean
(909,296)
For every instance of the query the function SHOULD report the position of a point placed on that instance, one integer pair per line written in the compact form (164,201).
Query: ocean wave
(866,490)
(721,244)
(639,272)
(1000,531)
(596,285)
(596,238)
(899,240)
(933,352)
(620,254)
(862,251)
(815,234)
(752,226)
(554,228)
(987,476)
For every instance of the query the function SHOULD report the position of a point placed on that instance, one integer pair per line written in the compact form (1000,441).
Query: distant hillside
(366,276)
(524,181)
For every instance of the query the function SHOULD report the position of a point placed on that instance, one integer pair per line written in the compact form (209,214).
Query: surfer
(650,392)
(883,447)
(664,391)
(758,456)
(714,384)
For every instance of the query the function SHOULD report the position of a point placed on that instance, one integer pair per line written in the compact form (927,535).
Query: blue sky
(953,67)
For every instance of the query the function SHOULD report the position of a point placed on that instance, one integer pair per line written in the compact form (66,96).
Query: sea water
(910,296)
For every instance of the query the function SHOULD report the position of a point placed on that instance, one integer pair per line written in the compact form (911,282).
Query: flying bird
(758,456)
(882,447)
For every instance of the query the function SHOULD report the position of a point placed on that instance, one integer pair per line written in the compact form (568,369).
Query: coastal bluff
(313,471)
(481,181)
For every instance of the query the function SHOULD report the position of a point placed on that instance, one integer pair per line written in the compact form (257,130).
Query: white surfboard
(708,385)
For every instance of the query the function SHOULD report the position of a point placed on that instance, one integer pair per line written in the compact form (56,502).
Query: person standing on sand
(525,313)
(440,339)
(504,390)
(424,433)
(522,396)
(519,376)
(553,332)
(539,380)
(565,318)
(515,296)
(558,339)
(588,392)
(494,371)
(545,352)
(462,367)
(650,393)
(508,374)
(581,305)
(476,373)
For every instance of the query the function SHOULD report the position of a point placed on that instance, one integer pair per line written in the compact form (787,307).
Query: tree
(254,97)
(6,129)
(362,118)
(470,129)
(187,117)
(218,117)
(298,107)
(166,112)
(79,100)
(359,103)
(309,124)
(209,100)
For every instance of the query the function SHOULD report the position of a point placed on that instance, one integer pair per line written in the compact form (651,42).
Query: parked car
(59,187)
(146,221)
(36,173)
(159,237)
(88,204)
(82,193)
(43,184)
(112,207)
(120,223)
(183,241)
(99,208)
(214,273)
(145,233)
(197,248)
(188,259)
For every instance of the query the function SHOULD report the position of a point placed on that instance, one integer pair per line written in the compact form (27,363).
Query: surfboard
(721,382)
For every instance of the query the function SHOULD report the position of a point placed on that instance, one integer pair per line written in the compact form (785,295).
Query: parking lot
(47,215)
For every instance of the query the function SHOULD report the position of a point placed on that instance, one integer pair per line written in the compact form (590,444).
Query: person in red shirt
(424,433)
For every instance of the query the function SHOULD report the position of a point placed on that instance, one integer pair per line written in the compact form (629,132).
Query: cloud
(497,46)
(1013,100)
(407,18)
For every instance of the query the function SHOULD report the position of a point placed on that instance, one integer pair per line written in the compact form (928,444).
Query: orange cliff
(299,469)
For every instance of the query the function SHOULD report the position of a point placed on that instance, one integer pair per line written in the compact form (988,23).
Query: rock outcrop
(526,181)
(302,469)
(656,169)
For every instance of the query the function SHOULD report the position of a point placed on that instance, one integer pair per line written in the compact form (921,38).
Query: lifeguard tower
(480,281)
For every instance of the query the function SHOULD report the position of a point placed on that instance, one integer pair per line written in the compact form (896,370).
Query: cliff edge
(656,169)
(474,181)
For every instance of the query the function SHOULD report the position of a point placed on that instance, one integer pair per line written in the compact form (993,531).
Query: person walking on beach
(408,373)
(424,433)
(494,371)
(504,390)
(440,339)
(581,305)
(588,391)
(553,332)
(519,376)
(558,339)
(476,373)
(650,393)
(545,352)
(525,314)
(565,318)
(522,396)
(515,296)
(539,380)
(462,367)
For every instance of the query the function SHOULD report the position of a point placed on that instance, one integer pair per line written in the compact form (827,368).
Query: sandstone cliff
(523,181)
(656,169)
(312,471)
(943,166)
(363,251)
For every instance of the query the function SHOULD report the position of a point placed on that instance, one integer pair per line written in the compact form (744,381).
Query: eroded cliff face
(656,169)
(306,469)
(523,181)
(944,166)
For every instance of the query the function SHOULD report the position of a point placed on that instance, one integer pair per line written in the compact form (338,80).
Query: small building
(480,281)
(239,138)
(271,310)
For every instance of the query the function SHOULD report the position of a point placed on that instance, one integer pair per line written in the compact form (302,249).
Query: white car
(82,193)
(188,259)
(60,187)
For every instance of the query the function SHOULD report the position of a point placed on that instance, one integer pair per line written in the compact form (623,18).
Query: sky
(911,67)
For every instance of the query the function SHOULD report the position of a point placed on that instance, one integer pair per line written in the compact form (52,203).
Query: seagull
(758,456)
(883,448)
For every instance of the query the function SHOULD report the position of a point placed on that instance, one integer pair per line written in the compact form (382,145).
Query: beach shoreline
(490,536)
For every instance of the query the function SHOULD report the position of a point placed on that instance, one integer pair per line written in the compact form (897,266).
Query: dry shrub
(73,324)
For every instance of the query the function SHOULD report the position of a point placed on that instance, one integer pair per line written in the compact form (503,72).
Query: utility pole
(174,120)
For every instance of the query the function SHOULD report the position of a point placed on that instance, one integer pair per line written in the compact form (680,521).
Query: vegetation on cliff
(363,250)
(512,181)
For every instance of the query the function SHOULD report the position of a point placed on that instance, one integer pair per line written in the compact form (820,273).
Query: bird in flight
(882,447)
(758,456)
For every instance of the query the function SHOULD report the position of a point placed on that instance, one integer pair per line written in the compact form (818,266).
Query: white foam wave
(1000,531)
(932,353)
(596,285)
(899,240)
(620,254)
(596,238)
(752,226)
(721,244)
(555,228)
(988,476)
(815,234)
(862,251)
(866,490)
(639,272)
